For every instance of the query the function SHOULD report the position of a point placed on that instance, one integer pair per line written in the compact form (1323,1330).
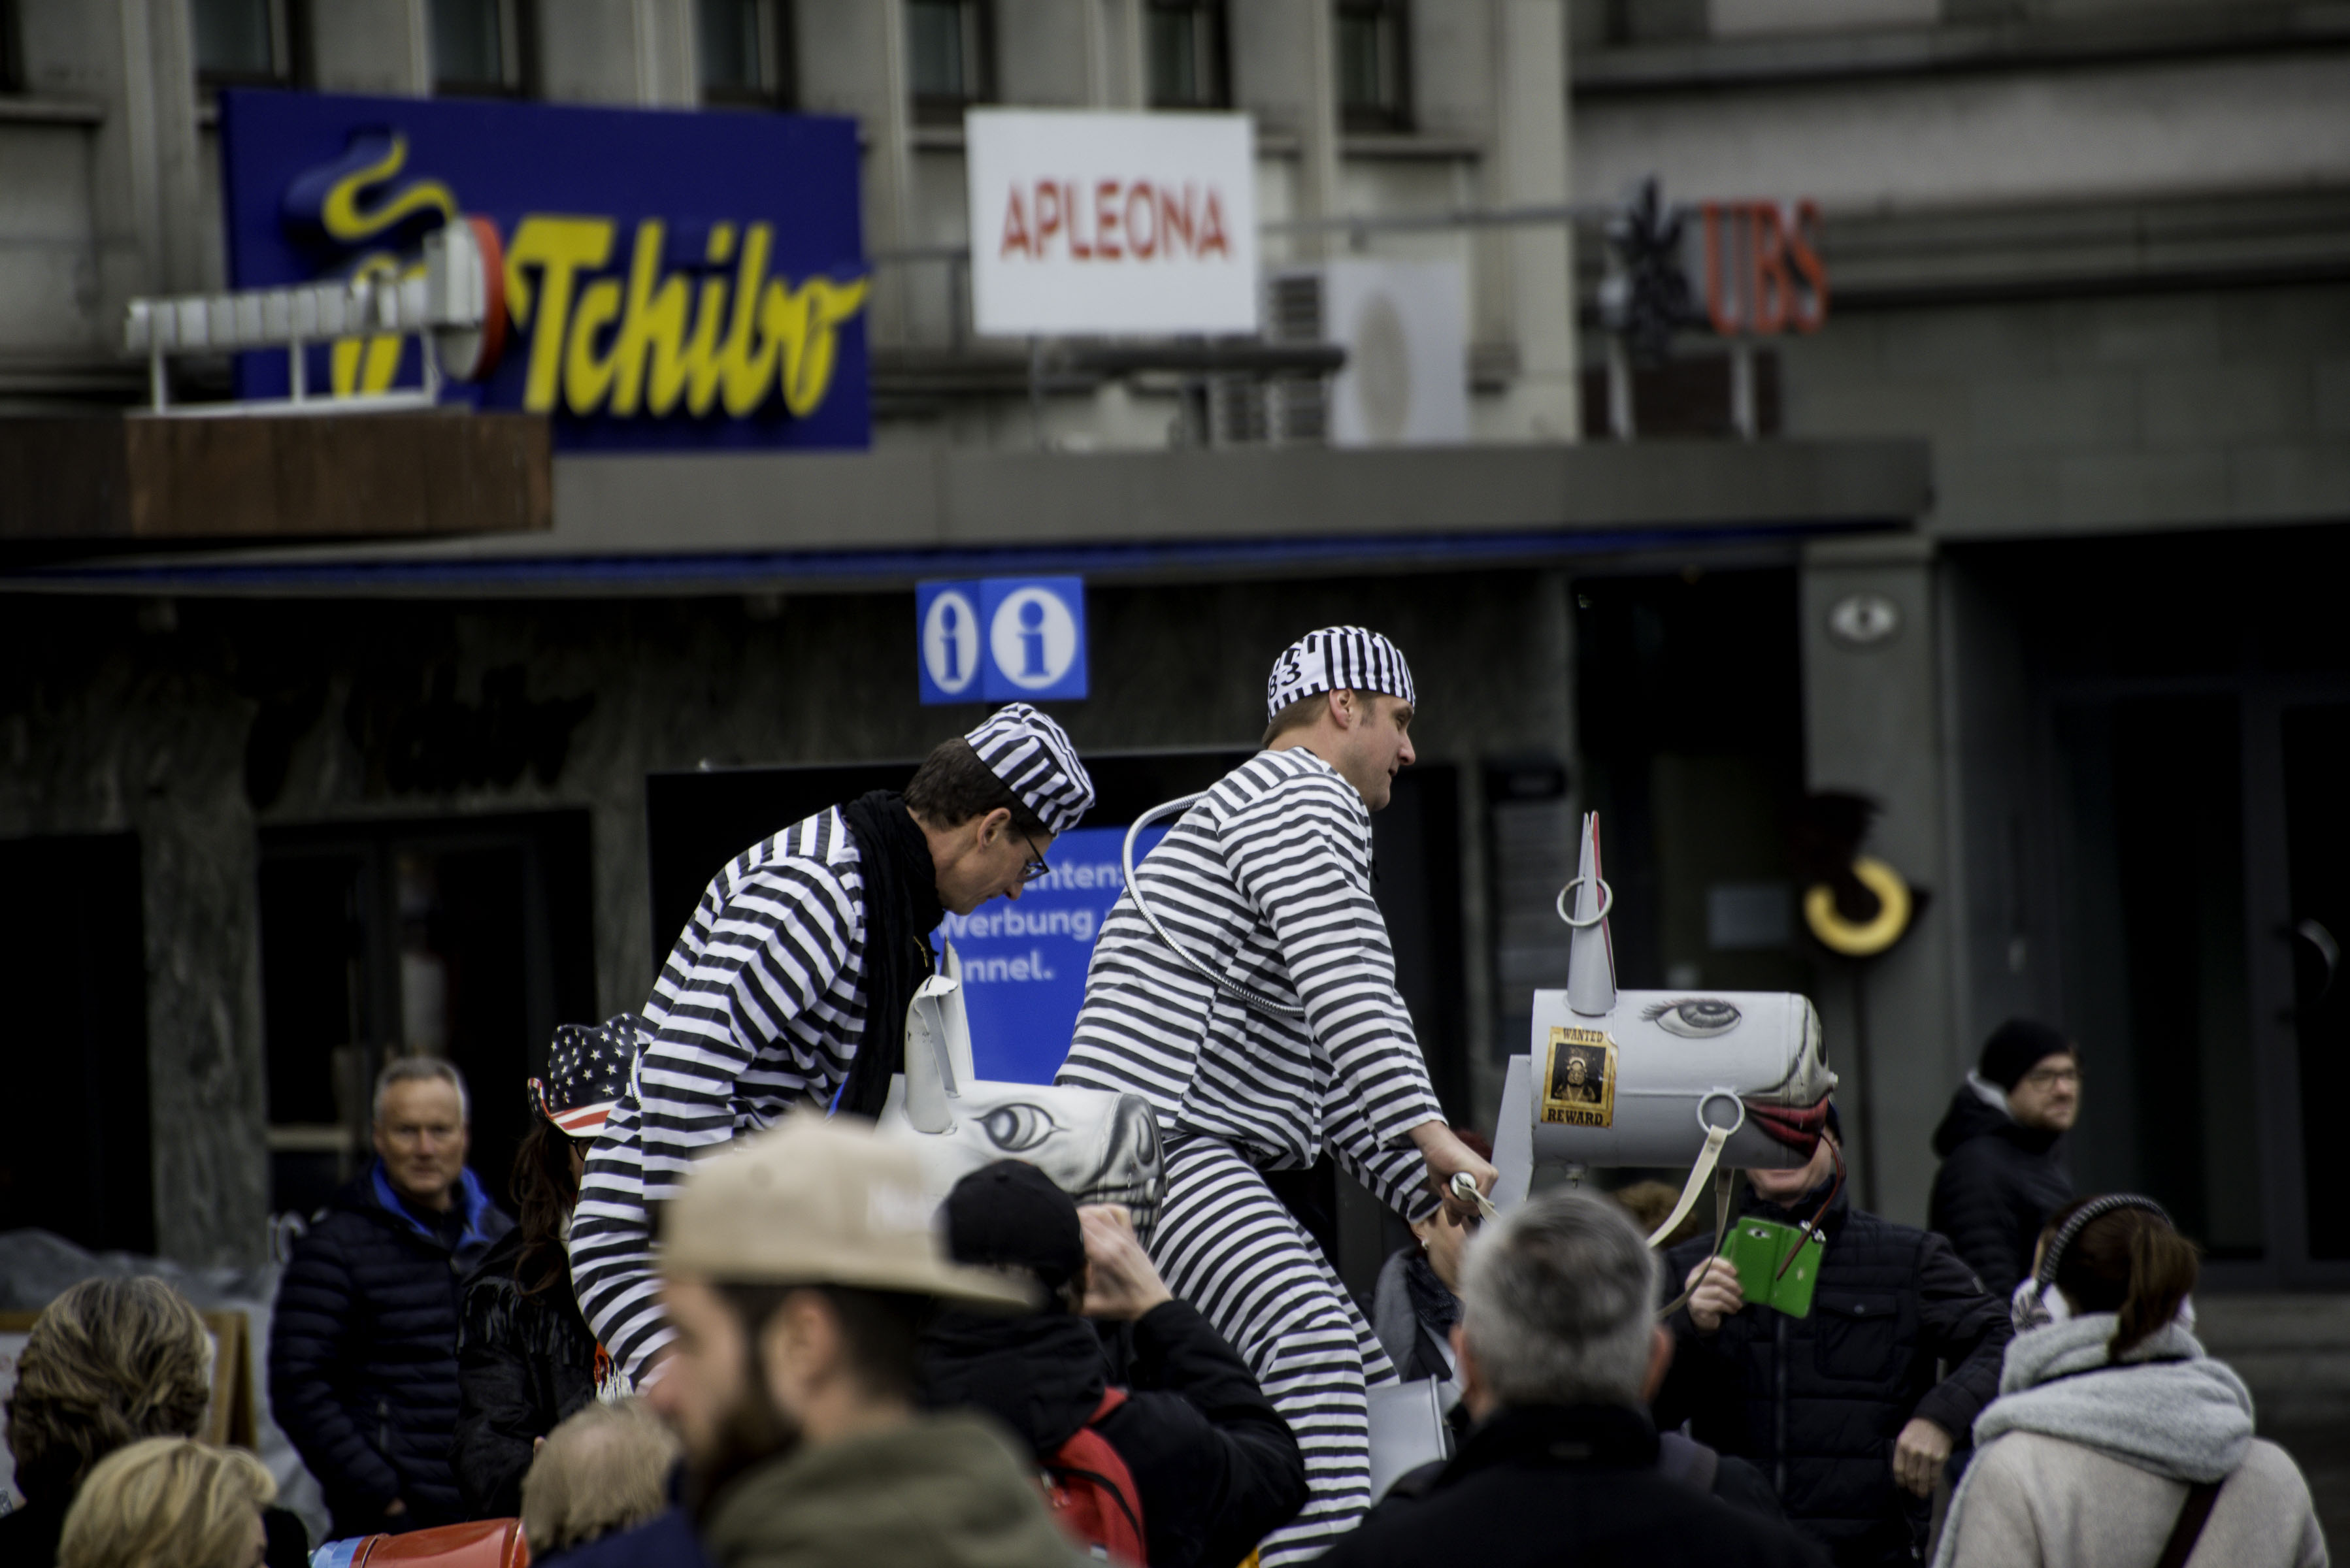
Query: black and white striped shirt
(760,1007)
(1267,880)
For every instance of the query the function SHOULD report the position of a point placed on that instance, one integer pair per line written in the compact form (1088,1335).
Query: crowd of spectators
(856,1380)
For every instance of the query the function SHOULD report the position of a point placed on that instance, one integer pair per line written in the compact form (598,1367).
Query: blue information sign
(658,279)
(1002,639)
(1024,963)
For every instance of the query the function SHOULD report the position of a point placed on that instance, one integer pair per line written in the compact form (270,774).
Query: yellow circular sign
(1865,939)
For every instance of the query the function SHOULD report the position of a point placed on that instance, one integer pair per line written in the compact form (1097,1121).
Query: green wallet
(1758,1250)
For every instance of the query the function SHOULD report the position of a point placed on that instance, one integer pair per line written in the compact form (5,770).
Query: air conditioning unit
(1405,327)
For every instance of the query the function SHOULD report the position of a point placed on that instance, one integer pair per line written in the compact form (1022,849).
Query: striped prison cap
(1336,659)
(588,1070)
(1033,756)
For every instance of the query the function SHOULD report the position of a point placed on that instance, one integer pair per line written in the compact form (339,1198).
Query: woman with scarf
(792,980)
(526,1358)
(2115,1439)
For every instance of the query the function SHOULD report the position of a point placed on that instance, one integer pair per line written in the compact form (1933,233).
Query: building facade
(2067,452)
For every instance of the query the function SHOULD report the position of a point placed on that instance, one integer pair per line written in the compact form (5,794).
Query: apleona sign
(658,279)
(1087,222)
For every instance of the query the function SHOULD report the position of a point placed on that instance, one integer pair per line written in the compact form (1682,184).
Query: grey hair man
(363,1342)
(1559,1351)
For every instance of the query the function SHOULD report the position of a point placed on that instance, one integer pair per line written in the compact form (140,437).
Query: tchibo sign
(1111,222)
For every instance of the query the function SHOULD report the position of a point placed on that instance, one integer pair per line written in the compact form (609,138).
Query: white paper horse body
(1096,1145)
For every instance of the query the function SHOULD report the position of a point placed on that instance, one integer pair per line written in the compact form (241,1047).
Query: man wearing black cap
(1213,1465)
(2001,1144)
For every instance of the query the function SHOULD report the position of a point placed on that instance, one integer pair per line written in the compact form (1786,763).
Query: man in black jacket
(1215,1466)
(2003,1162)
(363,1342)
(1844,1409)
(1558,1356)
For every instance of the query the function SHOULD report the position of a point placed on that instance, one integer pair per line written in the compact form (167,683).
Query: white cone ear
(1590,954)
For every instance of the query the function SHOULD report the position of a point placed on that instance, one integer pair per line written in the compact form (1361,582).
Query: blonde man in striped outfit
(790,985)
(1251,998)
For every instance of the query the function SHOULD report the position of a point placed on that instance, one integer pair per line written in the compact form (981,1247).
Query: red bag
(482,1543)
(1091,1491)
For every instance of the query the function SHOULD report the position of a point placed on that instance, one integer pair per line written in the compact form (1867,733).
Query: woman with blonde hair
(2115,1442)
(169,1503)
(108,1362)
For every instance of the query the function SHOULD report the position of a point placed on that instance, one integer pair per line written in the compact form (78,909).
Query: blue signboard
(1024,963)
(1002,639)
(661,279)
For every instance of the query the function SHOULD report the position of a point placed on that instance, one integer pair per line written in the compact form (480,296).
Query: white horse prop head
(1098,1147)
(1638,1077)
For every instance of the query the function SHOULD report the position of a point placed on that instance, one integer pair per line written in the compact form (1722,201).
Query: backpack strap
(2193,1514)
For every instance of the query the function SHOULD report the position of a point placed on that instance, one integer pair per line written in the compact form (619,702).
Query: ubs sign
(661,279)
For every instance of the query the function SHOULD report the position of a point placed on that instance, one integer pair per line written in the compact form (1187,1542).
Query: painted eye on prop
(1017,1128)
(1694,1018)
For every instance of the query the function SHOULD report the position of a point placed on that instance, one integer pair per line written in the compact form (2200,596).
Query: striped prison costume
(760,1007)
(1268,880)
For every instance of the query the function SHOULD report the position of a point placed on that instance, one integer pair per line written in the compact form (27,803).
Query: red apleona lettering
(1141,219)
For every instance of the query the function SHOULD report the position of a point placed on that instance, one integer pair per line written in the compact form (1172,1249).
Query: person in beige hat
(798,1270)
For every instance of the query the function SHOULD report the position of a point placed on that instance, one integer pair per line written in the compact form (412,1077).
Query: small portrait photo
(1580,1087)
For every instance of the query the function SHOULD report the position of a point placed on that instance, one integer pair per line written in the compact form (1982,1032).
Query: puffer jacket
(363,1353)
(1999,1183)
(524,1361)
(1215,1466)
(1817,1402)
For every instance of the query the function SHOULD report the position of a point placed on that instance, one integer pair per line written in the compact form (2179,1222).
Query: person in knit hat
(792,979)
(2001,1144)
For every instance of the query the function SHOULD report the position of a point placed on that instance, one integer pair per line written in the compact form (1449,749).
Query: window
(239,42)
(746,51)
(1185,49)
(1373,73)
(12,67)
(947,48)
(477,48)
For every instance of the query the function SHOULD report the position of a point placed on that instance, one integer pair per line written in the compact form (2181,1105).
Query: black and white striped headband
(1337,659)
(1033,756)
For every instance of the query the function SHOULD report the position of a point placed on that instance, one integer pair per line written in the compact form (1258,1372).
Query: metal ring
(1607,902)
(1708,1098)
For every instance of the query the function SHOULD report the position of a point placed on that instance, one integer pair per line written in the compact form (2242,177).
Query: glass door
(2313,740)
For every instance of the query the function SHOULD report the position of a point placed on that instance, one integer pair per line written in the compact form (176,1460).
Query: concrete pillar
(1874,726)
(1283,73)
(1533,277)
(852,61)
(378,47)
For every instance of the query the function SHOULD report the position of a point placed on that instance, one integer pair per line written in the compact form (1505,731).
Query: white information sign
(1086,222)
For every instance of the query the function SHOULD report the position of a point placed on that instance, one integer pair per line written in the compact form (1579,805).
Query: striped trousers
(1228,1246)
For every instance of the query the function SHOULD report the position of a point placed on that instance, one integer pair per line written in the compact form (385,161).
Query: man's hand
(1715,1294)
(1918,1454)
(1445,1155)
(1120,1283)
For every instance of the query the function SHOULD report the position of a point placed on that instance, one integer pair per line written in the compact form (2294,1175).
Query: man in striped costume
(791,982)
(1274,1032)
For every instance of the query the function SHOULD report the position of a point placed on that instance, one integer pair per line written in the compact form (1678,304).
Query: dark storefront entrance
(2192,703)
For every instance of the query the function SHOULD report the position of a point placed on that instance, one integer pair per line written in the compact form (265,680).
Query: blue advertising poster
(663,278)
(1024,964)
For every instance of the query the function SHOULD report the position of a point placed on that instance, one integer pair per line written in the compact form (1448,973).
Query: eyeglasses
(1034,866)
(2049,1077)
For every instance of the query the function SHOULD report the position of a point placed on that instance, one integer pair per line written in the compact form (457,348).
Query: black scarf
(902,911)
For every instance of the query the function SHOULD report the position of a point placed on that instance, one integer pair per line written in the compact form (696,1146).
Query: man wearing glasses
(791,983)
(2002,1150)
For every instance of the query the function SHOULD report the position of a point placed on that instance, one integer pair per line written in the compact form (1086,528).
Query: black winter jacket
(1817,1402)
(1999,1183)
(1560,1488)
(1215,1465)
(523,1363)
(363,1353)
